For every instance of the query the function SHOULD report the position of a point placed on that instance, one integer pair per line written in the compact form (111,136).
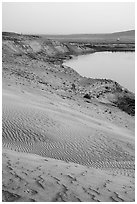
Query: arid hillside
(125,37)
(27,50)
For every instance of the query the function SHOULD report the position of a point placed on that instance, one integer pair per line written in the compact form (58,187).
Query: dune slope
(33,178)
(32,126)
(55,138)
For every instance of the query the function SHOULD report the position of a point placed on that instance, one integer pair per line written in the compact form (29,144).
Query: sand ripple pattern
(39,131)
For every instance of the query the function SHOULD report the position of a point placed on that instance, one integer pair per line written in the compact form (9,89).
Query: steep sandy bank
(38,126)
(39,60)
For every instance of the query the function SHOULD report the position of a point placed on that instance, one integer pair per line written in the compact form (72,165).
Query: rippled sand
(33,178)
(60,141)
(40,125)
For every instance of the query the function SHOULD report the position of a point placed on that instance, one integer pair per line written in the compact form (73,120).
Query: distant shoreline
(88,66)
(89,53)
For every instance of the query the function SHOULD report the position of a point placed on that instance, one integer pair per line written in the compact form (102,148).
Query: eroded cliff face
(35,47)
(110,92)
(39,61)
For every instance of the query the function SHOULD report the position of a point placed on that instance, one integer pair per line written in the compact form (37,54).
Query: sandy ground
(32,124)
(56,145)
(29,177)
(54,152)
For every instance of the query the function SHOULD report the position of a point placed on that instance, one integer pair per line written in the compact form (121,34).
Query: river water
(118,66)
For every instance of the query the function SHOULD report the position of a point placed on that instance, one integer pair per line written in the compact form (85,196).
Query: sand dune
(40,125)
(35,128)
(57,144)
(27,177)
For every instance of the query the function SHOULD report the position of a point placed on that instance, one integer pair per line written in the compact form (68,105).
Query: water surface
(118,66)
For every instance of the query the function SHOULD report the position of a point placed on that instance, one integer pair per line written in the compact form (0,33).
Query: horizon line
(22,33)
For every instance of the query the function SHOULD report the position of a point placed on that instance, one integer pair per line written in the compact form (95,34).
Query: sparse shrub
(87,96)
(73,87)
